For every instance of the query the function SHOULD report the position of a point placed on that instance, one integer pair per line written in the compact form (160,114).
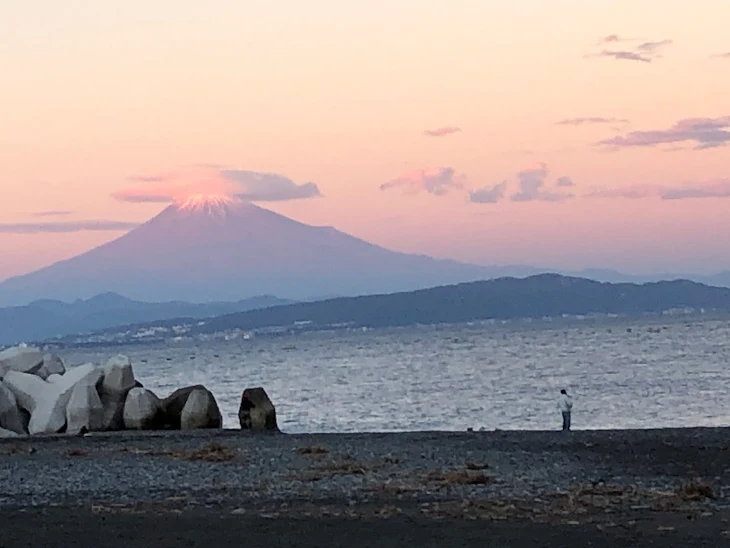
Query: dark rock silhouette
(174,405)
(256,411)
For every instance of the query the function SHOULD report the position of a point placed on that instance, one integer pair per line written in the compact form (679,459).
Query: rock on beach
(200,411)
(8,433)
(84,409)
(256,411)
(142,410)
(118,376)
(28,389)
(49,417)
(182,412)
(52,365)
(40,395)
(22,359)
(11,416)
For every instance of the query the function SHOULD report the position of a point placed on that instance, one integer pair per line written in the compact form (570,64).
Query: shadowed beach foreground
(228,488)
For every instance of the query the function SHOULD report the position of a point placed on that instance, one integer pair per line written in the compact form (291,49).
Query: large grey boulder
(49,417)
(23,359)
(11,417)
(173,405)
(200,411)
(8,433)
(29,390)
(113,414)
(117,382)
(142,410)
(84,409)
(118,375)
(256,411)
(52,365)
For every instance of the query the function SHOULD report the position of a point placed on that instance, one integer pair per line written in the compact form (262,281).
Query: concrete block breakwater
(39,395)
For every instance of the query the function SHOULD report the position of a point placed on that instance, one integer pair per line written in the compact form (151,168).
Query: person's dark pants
(566,420)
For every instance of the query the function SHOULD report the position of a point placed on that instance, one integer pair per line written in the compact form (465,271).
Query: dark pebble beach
(230,488)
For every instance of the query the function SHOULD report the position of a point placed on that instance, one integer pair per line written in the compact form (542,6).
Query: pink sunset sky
(563,133)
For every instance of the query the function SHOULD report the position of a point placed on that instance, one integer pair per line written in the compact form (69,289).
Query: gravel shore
(651,487)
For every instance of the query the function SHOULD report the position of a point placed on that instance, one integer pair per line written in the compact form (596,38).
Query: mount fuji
(215,248)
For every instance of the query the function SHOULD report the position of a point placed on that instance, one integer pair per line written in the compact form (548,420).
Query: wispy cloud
(269,187)
(625,56)
(725,55)
(442,131)
(65,227)
(590,120)
(532,186)
(52,213)
(144,196)
(643,51)
(632,192)
(711,189)
(611,38)
(488,194)
(704,132)
(245,184)
(652,47)
(434,180)
(716,189)
(148,178)
(617,39)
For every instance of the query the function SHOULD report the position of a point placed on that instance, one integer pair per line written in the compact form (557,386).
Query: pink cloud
(442,131)
(434,180)
(488,194)
(644,52)
(653,46)
(144,195)
(532,186)
(625,56)
(711,189)
(66,227)
(632,192)
(612,38)
(704,132)
(247,185)
(715,189)
(268,187)
(590,120)
(53,213)
(148,178)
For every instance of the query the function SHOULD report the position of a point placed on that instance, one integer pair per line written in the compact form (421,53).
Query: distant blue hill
(542,295)
(49,318)
(539,296)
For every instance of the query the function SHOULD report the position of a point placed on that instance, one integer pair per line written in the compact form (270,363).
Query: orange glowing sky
(562,133)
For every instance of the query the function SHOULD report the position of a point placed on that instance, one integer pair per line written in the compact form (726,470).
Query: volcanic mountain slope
(216,248)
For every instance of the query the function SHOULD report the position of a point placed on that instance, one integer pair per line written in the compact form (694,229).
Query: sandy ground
(227,488)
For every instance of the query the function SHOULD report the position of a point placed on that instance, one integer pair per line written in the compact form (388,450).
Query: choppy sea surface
(621,373)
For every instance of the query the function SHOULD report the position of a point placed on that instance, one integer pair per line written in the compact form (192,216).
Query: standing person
(565,404)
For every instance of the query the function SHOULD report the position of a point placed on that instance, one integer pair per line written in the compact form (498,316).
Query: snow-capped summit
(213,204)
(213,247)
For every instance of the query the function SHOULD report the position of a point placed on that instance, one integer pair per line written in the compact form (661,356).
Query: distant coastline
(664,303)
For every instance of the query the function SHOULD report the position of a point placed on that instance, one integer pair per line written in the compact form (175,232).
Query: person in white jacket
(565,404)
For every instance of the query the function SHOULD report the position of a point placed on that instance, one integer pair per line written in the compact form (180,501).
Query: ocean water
(622,374)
